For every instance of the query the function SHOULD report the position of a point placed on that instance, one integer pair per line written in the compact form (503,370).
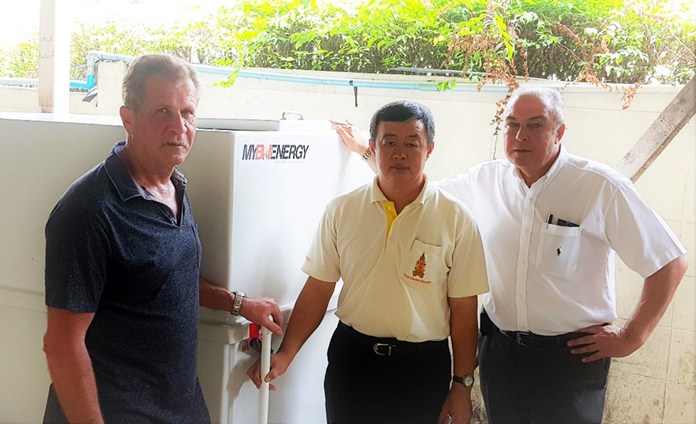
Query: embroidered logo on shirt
(419,270)
(418,273)
(558,251)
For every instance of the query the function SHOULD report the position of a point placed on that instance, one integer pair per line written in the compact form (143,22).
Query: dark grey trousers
(538,385)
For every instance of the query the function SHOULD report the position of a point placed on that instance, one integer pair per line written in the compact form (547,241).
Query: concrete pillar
(54,57)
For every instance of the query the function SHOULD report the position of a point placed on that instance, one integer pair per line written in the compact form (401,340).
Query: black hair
(402,111)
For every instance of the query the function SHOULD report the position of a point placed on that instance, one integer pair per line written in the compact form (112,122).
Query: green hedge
(601,41)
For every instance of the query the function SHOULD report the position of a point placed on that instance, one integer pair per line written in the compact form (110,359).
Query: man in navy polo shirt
(122,268)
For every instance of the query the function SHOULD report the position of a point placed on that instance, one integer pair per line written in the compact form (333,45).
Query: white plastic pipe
(265,368)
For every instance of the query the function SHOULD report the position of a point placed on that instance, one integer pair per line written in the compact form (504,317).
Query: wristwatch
(237,303)
(466,381)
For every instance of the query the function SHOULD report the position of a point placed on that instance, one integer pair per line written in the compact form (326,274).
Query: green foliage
(600,41)
(605,41)
(301,34)
(106,37)
(23,60)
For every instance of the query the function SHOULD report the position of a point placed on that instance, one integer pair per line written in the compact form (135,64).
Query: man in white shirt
(412,265)
(551,223)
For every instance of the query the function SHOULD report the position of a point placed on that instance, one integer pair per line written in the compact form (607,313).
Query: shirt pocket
(559,249)
(423,264)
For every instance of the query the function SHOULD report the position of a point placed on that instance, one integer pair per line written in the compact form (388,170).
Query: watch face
(466,381)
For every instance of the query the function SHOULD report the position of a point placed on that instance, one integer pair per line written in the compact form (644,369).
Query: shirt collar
(376,194)
(552,172)
(122,180)
(557,164)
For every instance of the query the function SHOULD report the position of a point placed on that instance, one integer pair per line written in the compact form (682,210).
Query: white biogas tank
(257,196)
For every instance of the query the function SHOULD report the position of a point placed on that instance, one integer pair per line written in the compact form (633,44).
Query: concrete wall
(657,384)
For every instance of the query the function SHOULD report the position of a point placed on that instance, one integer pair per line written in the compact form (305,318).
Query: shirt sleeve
(468,275)
(457,187)
(77,252)
(322,261)
(638,235)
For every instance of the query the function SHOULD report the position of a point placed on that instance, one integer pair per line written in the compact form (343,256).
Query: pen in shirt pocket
(564,223)
(560,222)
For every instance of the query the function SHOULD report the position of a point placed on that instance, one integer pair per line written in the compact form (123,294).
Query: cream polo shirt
(549,278)
(396,282)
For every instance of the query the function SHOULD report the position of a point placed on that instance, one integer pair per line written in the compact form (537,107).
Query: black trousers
(536,380)
(367,383)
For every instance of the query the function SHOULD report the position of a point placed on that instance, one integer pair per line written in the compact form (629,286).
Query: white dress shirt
(548,276)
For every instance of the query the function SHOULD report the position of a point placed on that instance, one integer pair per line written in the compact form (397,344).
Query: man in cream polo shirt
(412,264)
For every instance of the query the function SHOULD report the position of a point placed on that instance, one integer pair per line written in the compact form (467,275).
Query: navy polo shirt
(114,251)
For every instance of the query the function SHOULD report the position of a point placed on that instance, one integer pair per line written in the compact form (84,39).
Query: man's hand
(457,406)
(263,311)
(279,365)
(604,341)
(351,136)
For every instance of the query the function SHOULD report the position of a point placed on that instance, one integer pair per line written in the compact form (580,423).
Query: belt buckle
(519,337)
(383,349)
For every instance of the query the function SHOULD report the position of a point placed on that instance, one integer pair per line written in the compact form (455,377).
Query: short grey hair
(146,66)
(550,97)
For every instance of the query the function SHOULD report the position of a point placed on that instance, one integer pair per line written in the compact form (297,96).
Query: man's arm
(464,335)
(70,366)
(610,341)
(260,310)
(307,314)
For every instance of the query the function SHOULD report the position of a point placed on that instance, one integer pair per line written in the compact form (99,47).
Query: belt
(527,339)
(388,346)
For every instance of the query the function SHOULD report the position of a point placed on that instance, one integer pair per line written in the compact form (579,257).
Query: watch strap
(237,302)
(466,380)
